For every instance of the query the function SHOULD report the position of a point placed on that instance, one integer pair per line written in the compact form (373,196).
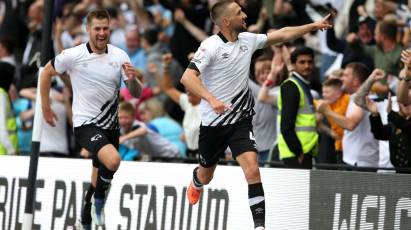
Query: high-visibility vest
(11,126)
(305,124)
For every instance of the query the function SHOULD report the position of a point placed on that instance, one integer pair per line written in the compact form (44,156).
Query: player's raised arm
(133,82)
(294,32)
(45,84)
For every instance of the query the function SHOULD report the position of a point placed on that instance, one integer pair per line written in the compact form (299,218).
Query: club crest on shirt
(243,48)
(115,65)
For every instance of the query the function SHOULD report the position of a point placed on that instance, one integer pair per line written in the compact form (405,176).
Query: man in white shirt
(226,107)
(95,69)
(360,148)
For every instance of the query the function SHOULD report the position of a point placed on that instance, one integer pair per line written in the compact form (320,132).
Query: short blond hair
(154,106)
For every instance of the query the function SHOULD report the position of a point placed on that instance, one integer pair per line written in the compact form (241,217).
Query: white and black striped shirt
(225,68)
(96,81)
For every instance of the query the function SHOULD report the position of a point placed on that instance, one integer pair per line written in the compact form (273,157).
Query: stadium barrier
(152,196)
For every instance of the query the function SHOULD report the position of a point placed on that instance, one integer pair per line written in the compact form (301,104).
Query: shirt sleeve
(202,58)
(257,41)
(184,103)
(64,61)
(260,41)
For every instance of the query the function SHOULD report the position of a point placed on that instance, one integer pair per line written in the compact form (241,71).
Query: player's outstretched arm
(45,84)
(294,32)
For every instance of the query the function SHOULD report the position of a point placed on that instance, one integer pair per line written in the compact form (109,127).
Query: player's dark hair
(360,71)
(303,50)
(218,8)
(99,14)
(332,82)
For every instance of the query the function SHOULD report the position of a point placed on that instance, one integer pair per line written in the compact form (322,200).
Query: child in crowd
(338,102)
(153,115)
(136,135)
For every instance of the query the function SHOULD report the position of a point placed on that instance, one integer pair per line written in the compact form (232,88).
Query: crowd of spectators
(356,68)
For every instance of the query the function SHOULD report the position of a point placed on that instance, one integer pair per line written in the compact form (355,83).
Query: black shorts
(93,138)
(214,141)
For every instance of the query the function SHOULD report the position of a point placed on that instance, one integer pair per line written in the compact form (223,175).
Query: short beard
(240,29)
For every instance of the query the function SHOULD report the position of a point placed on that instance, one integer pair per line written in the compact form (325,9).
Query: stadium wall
(152,196)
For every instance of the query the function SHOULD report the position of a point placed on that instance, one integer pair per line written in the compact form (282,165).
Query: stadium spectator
(189,103)
(68,32)
(365,35)
(133,48)
(397,132)
(298,139)
(198,14)
(382,8)
(24,112)
(338,101)
(359,146)
(8,129)
(31,55)
(6,52)
(152,48)
(199,34)
(293,12)
(54,139)
(136,135)
(270,88)
(264,121)
(386,52)
(117,25)
(404,86)
(7,65)
(152,113)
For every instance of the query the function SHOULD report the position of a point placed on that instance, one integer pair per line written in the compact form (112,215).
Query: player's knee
(114,163)
(252,173)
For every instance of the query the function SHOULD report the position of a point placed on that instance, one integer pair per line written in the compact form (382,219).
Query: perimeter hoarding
(150,196)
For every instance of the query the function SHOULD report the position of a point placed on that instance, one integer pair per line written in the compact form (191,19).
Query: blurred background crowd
(354,71)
